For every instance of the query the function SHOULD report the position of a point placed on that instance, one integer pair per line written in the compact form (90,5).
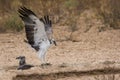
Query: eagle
(22,63)
(39,33)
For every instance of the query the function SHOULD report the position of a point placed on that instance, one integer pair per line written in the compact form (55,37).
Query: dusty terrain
(87,59)
(88,46)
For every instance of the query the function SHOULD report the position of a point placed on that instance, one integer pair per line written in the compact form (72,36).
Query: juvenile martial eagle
(38,31)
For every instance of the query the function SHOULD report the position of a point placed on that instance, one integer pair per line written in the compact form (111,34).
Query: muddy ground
(88,59)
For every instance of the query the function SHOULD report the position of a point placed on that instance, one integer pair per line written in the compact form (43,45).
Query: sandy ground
(69,59)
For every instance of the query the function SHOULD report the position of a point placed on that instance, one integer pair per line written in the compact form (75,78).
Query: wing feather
(48,26)
(34,28)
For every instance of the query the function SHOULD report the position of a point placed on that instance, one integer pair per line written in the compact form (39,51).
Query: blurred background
(87,34)
(72,17)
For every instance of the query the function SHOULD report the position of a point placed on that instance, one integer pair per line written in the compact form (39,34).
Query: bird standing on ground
(38,31)
(22,63)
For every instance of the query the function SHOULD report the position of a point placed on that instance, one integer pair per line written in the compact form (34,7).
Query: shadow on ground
(59,75)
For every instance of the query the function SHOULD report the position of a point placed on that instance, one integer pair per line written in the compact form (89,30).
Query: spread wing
(48,26)
(34,27)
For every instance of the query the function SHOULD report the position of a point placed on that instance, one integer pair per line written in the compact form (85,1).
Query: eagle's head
(52,41)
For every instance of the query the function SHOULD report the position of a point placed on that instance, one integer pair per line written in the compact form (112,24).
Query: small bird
(22,63)
(39,32)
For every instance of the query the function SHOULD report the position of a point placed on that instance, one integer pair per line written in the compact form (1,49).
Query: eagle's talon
(46,64)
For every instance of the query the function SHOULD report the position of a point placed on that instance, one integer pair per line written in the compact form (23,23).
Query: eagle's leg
(42,54)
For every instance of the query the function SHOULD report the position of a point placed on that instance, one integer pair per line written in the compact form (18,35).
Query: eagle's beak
(55,43)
